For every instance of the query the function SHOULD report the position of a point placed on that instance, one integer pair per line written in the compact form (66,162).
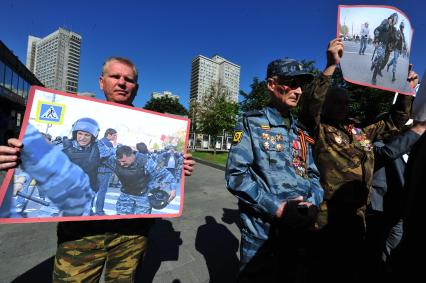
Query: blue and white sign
(50,112)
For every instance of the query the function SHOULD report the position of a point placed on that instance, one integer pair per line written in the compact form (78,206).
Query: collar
(275,119)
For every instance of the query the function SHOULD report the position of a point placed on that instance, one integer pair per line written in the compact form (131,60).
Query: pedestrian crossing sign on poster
(50,112)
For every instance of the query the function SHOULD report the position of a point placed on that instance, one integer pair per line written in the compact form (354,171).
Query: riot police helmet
(86,124)
(158,198)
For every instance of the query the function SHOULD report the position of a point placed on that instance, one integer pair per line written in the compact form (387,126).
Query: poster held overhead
(377,46)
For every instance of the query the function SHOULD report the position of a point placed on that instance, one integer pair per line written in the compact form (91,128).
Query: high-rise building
(164,94)
(55,59)
(208,72)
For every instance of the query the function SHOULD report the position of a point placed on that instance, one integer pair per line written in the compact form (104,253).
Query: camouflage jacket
(344,152)
(269,162)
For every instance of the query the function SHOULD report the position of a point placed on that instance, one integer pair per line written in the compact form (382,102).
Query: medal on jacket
(265,136)
(266,145)
(338,138)
(273,140)
(279,147)
(279,137)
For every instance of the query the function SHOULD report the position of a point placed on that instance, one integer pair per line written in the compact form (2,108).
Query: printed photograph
(86,159)
(377,46)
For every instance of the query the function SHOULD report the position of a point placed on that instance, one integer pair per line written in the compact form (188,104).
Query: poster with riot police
(85,159)
(377,43)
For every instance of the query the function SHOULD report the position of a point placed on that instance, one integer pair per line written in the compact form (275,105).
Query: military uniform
(270,162)
(136,181)
(344,152)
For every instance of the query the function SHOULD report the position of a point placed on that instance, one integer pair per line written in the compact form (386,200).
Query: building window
(2,71)
(15,81)
(8,78)
(21,87)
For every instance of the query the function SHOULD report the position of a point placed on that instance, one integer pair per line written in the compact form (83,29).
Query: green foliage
(180,145)
(219,158)
(344,29)
(216,113)
(166,104)
(155,146)
(257,98)
(365,102)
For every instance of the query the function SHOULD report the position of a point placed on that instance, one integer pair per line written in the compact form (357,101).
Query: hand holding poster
(73,147)
(377,46)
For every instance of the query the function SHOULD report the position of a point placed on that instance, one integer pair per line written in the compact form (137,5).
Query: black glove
(297,216)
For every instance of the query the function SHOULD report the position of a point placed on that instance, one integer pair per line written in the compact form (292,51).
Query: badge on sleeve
(238,135)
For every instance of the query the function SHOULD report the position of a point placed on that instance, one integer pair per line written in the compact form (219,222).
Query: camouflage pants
(83,260)
(380,55)
(130,204)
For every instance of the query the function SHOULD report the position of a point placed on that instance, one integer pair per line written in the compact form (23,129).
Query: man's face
(83,138)
(285,91)
(127,161)
(112,137)
(336,106)
(119,83)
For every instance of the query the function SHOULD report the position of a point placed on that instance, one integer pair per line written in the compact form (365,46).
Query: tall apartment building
(212,71)
(55,59)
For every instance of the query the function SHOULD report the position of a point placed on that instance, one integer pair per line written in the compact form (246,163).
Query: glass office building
(15,83)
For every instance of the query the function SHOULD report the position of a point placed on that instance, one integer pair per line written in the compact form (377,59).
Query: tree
(216,113)
(365,102)
(257,98)
(193,114)
(166,104)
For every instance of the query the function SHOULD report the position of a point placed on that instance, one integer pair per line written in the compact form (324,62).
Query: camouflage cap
(287,68)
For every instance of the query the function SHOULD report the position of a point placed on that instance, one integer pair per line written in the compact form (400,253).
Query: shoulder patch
(238,135)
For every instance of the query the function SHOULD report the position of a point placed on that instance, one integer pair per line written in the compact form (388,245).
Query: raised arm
(313,99)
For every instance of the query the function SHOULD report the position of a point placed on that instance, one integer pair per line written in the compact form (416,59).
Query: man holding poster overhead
(86,247)
(345,158)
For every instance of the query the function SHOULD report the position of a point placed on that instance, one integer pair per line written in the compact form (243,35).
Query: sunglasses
(293,83)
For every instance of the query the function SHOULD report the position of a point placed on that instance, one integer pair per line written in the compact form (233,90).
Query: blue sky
(163,36)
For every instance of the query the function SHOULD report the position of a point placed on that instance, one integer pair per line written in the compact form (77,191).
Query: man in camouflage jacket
(344,155)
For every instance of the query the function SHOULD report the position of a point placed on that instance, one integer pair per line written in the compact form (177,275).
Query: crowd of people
(102,158)
(318,195)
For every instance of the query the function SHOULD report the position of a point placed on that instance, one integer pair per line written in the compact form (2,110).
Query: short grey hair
(121,60)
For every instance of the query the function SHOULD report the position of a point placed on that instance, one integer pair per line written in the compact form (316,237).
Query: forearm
(312,103)
(400,112)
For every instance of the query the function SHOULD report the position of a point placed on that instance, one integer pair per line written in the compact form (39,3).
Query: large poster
(377,43)
(87,159)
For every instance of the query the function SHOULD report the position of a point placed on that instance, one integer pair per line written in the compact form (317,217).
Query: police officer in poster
(139,174)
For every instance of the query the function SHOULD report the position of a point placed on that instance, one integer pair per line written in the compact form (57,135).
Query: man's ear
(101,82)
(270,83)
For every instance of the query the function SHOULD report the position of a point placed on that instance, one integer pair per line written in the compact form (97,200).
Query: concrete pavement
(200,246)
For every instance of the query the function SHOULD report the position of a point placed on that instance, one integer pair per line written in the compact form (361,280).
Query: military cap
(287,68)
